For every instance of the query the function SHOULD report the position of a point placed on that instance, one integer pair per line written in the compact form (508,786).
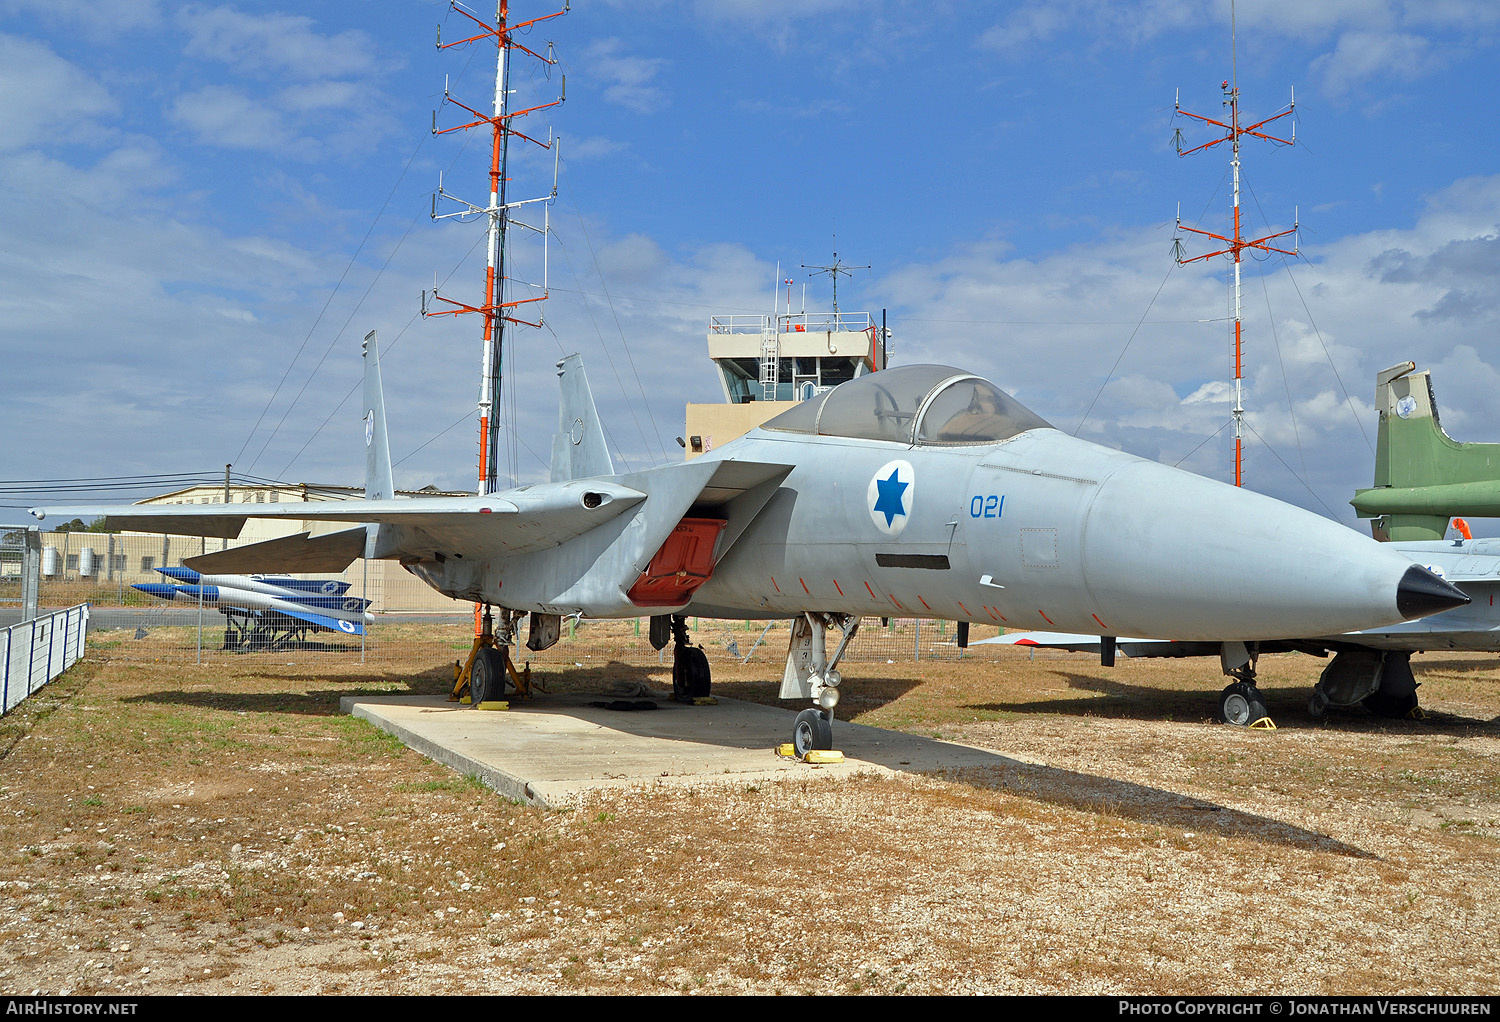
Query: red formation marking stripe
(773,582)
(836,586)
(1046,618)
(1096,618)
(804,587)
(924,602)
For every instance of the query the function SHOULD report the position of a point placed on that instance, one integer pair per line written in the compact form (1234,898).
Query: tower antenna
(833,270)
(495,308)
(1236,243)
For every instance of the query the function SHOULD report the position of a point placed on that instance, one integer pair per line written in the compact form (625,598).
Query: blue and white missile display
(271,585)
(346,614)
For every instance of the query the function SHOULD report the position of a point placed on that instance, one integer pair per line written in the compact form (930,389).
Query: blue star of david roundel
(889,496)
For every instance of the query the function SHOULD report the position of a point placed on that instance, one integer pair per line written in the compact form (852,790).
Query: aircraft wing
(300,551)
(522,520)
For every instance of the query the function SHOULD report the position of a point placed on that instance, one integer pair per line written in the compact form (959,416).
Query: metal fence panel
(33,653)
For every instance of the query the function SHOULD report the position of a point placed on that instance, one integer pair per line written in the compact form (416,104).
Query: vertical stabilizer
(1423,477)
(578,448)
(379,478)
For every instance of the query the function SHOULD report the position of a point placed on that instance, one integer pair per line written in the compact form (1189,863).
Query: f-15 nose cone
(1420,592)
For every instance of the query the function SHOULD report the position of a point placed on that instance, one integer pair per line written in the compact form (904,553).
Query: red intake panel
(684,562)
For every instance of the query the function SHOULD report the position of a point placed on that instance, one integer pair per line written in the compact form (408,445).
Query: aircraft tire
(699,677)
(691,677)
(487,678)
(813,730)
(1241,704)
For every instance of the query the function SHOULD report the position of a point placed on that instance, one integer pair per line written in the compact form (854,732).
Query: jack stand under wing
(483,675)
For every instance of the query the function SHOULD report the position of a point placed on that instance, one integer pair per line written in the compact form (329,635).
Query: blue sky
(204,208)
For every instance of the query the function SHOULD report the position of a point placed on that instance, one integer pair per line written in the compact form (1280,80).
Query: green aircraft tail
(1423,477)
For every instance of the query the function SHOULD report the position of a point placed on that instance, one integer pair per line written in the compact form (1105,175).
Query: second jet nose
(1422,592)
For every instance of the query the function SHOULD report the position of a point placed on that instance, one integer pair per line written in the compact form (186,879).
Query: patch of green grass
(463,783)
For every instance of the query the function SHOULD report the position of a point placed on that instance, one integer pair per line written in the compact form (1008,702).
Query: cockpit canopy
(921,404)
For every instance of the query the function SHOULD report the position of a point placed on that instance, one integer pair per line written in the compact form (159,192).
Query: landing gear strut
(1241,703)
(810,674)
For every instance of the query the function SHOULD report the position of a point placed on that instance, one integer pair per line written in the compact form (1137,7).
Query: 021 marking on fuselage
(987,505)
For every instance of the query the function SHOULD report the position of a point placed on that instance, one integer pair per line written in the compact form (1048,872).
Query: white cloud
(627,81)
(225,116)
(275,45)
(46,98)
(104,22)
(1371,39)
(303,123)
(1361,56)
(591,147)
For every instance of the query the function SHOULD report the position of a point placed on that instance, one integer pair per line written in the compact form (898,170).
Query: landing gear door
(796,682)
(546,629)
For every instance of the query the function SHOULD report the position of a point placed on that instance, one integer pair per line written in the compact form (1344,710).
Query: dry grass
(225,829)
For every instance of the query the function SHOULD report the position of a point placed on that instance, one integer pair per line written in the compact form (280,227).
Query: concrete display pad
(549,749)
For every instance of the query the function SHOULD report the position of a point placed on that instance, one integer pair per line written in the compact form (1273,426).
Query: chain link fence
(412,626)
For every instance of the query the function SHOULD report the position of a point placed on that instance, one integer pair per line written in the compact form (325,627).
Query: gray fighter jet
(1422,478)
(922,490)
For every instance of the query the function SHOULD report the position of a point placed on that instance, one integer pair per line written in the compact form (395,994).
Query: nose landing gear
(1241,703)
(810,674)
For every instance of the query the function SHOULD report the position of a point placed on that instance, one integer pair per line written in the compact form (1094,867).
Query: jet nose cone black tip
(1420,593)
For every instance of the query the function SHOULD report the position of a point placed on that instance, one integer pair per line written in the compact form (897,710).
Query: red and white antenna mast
(1236,242)
(496,309)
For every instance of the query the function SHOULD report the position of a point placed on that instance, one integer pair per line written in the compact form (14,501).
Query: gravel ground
(221,829)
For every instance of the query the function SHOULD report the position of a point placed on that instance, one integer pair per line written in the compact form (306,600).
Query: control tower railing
(800,322)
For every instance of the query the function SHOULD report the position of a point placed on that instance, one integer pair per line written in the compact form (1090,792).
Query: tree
(77,525)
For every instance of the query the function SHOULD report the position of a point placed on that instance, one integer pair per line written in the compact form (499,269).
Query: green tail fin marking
(1423,477)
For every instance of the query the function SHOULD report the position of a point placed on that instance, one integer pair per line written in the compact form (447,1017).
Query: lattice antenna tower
(1235,243)
(833,270)
(496,309)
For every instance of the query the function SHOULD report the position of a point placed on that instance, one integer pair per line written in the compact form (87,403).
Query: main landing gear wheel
(691,678)
(813,731)
(487,677)
(1241,704)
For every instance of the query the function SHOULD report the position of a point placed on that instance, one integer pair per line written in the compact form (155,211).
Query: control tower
(767,364)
